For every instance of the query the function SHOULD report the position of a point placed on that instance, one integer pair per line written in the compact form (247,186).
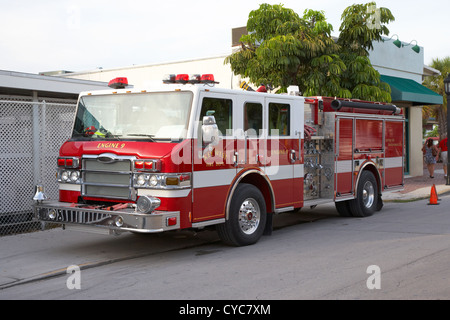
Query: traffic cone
(435,190)
(433,196)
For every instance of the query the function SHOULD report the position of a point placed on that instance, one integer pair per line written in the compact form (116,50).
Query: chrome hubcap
(249,216)
(368,194)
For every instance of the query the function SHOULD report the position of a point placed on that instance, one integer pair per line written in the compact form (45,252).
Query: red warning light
(207,78)
(118,83)
(182,78)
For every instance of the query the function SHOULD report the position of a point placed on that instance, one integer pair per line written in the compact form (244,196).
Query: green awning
(407,90)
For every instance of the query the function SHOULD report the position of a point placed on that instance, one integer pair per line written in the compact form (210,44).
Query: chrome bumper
(117,221)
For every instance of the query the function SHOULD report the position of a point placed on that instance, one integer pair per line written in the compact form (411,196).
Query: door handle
(236,158)
(293,157)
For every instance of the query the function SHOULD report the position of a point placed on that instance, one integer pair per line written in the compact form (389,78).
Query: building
(36,115)
(400,65)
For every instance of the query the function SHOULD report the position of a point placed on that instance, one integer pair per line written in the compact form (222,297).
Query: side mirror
(210,131)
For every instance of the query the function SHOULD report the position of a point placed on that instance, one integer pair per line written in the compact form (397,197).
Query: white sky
(81,35)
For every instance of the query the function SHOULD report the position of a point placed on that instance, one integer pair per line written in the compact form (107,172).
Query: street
(402,252)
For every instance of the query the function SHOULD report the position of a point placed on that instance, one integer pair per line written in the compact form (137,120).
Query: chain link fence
(31,133)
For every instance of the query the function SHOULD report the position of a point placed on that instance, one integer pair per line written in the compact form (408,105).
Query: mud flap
(269,225)
(379,203)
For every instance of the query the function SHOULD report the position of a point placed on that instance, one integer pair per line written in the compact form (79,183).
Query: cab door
(214,164)
(250,130)
(282,151)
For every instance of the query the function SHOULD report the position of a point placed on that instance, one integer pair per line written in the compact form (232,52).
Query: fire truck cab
(190,155)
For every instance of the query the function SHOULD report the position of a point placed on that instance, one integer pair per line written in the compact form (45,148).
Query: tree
(436,83)
(362,24)
(283,48)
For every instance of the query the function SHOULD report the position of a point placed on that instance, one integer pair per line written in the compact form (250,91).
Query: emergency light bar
(118,83)
(186,78)
(182,78)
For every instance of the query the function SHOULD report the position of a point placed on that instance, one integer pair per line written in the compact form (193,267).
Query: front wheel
(366,201)
(247,217)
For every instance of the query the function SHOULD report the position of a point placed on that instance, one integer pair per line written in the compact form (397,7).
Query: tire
(247,217)
(380,203)
(343,208)
(366,201)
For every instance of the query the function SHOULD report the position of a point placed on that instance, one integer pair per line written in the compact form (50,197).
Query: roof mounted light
(182,78)
(207,78)
(169,78)
(186,78)
(118,83)
(194,78)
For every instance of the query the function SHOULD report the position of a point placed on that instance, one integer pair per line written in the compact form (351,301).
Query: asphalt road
(402,252)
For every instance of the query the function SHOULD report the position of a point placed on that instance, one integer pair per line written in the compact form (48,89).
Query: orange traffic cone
(435,190)
(433,196)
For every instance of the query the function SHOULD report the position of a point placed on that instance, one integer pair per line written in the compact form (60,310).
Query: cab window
(279,119)
(253,119)
(222,110)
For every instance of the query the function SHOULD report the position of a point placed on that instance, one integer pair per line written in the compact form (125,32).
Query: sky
(82,35)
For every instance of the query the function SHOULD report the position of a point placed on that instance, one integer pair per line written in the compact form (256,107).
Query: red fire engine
(191,155)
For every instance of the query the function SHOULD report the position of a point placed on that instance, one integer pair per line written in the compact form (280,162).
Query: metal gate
(31,133)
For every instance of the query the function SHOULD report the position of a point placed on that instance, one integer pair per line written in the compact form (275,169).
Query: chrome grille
(73,215)
(107,176)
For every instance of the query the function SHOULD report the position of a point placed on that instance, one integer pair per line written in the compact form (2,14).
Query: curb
(418,194)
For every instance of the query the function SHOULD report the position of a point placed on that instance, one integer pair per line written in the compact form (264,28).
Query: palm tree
(436,83)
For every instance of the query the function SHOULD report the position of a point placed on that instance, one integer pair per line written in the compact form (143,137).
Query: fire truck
(190,155)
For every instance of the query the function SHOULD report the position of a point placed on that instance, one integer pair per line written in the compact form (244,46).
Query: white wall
(402,62)
(146,75)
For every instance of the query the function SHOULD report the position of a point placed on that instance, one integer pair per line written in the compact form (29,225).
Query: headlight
(52,214)
(69,176)
(74,176)
(140,180)
(153,180)
(162,180)
(65,176)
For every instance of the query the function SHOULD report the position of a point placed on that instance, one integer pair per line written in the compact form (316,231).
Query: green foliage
(362,24)
(431,134)
(436,83)
(283,49)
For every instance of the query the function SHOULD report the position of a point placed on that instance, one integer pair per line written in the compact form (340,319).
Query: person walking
(444,154)
(431,154)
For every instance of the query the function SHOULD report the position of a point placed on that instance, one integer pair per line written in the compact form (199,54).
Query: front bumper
(117,221)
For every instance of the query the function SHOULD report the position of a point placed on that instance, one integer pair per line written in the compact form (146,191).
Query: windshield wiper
(114,136)
(150,136)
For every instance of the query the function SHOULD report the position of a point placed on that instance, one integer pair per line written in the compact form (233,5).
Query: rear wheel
(247,217)
(366,201)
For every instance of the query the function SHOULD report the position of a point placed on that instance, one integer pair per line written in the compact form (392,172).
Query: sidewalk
(420,187)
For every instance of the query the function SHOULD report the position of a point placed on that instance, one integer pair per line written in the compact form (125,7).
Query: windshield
(150,116)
